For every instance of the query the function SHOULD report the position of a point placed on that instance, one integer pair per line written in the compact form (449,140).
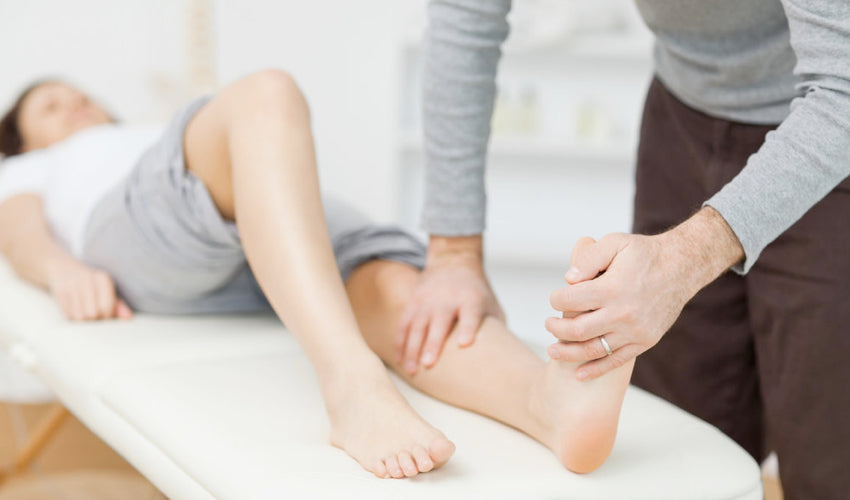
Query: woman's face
(53,111)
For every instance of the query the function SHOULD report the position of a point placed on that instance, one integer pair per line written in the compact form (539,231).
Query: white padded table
(227,407)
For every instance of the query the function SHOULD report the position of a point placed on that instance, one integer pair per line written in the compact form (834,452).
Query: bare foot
(373,423)
(578,420)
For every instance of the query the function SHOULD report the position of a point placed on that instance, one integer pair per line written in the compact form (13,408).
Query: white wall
(130,54)
(345,55)
(116,50)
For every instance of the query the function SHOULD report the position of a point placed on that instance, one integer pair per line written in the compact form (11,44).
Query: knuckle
(628,314)
(612,289)
(556,327)
(618,360)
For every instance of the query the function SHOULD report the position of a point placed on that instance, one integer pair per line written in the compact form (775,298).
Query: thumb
(589,258)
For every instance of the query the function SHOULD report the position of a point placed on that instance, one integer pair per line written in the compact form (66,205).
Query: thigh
(705,363)
(161,238)
(799,293)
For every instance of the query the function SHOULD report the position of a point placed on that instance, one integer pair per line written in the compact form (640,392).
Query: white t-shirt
(73,175)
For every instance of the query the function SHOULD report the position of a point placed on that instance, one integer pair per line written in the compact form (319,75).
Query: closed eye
(50,106)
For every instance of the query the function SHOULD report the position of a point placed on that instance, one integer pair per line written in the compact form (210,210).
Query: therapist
(743,159)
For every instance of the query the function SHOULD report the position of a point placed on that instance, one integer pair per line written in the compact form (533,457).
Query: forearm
(700,249)
(806,157)
(462,54)
(27,242)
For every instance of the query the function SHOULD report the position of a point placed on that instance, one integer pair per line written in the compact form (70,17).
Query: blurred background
(561,159)
(560,167)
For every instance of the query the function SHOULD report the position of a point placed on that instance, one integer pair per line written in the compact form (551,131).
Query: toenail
(553,353)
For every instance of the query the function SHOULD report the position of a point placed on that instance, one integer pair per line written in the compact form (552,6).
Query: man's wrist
(463,250)
(704,246)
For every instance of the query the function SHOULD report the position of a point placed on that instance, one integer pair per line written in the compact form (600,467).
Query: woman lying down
(220,211)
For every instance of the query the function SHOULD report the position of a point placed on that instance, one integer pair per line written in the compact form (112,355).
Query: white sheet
(226,407)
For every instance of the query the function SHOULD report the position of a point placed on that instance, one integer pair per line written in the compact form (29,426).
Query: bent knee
(270,89)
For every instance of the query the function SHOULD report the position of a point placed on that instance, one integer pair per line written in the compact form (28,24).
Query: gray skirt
(162,240)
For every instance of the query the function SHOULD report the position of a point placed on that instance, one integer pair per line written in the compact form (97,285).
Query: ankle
(343,383)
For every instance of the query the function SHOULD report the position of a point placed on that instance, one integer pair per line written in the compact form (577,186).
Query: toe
(407,464)
(393,467)
(423,461)
(441,450)
(380,469)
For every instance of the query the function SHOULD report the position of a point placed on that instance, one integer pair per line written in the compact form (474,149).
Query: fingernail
(573,273)
(464,340)
(581,375)
(427,358)
(410,366)
(553,353)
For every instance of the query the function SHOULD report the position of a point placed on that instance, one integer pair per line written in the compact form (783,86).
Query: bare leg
(252,147)
(498,376)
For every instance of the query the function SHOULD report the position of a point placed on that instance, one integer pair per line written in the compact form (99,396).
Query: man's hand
(645,283)
(84,293)
(453,289)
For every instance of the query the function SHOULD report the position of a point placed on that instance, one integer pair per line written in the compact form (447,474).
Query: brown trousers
(764,357)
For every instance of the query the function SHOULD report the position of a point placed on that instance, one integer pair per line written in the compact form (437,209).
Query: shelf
(541,150)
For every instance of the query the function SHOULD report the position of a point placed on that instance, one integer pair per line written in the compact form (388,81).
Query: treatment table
(228,407)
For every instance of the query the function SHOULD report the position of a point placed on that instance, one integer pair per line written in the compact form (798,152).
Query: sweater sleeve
(807,155)
(463,48)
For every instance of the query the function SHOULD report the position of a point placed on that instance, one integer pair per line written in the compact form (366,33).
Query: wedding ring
(605,345)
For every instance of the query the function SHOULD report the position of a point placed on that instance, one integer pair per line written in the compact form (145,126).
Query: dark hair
(11,141)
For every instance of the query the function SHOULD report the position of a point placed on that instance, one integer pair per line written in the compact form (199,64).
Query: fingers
(580,328)
(403,330)
(413,344)
(105,295)
(589,259)
(438,330)
(469,320)
(587,350)
(122,310)
(64,300)
(579,247)
(580,297)
(88,299)
(447,292)
(75,306)
(89,296)
(621,357)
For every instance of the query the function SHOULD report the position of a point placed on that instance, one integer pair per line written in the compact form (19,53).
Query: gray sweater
(752,61)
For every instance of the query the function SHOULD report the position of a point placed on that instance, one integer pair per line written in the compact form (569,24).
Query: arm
(462,55)
(799,163)
(806,157)
(25,240)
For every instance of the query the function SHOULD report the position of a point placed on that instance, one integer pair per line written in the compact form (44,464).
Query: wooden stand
(37,440)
